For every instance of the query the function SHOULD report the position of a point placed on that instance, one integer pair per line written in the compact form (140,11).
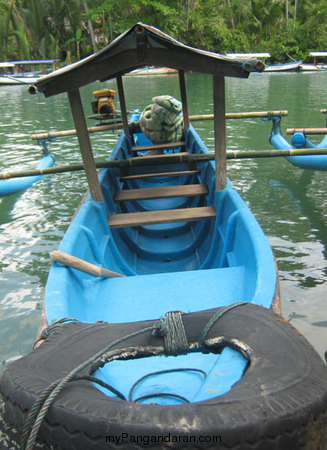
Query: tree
(55,28)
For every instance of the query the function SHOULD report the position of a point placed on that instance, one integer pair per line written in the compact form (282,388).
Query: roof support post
(182,86)
(85,145)
(122,104)
(220,130)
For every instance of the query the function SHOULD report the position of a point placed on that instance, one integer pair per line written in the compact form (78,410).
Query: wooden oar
(135,125)
(84,266)
(182,157)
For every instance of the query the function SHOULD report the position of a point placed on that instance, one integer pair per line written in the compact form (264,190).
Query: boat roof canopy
(140,46)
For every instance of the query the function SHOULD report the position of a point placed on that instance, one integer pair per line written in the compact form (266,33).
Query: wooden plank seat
(183,190)
(161,216)
(175,173)
(168,145)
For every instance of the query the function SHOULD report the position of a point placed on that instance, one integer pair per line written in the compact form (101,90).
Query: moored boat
(299,140)
(319,62)
(157,327)
(153,71)
(307,67)
(293,66)
(24,72)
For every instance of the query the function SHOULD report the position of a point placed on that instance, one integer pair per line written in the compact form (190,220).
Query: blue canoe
(12,186)
(293,66)
(299,140)
(157,328)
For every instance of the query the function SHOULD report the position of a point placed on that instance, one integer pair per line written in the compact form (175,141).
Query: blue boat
(12,186)
(299,140)
(294,66)
(157,327)
(24,72)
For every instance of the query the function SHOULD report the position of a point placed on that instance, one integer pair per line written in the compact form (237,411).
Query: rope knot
(160,328)
(171,328)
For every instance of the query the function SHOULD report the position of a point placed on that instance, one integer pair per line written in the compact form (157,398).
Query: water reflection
(298,191)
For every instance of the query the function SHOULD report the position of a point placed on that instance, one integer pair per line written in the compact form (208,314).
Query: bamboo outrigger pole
(194,118)
(307,130)
(174,158)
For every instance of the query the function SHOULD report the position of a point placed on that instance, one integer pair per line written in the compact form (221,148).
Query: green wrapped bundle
(163,120)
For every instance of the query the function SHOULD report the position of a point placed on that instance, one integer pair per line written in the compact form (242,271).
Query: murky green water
(289,203)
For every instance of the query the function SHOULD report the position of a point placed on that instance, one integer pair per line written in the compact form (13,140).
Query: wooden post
(220,130)
(182,86)
(122,104)
(85,145)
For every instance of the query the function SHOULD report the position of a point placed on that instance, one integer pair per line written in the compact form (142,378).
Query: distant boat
(18,72)
(247,56)
(315,66)
(152,71)
(285,67)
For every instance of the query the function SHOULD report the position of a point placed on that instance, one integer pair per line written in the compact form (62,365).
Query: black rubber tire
(280,403)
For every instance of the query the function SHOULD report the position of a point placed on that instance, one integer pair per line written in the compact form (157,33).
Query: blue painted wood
(313,162)
(14,185)
(186,266)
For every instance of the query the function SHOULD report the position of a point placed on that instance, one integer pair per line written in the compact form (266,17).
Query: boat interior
(221,245)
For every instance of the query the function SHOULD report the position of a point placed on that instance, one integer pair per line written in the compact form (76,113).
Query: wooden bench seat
(175,173)
(187,190)
(161,216)
(145,148)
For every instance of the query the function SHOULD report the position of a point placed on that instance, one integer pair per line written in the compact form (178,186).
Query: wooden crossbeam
(162,216)
(175,173)
(144,148)
(187,190)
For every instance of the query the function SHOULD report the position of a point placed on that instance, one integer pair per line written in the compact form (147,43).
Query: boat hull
(313,162)
(187,266)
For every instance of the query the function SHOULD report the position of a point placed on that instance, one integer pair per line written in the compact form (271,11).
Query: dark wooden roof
(142,45)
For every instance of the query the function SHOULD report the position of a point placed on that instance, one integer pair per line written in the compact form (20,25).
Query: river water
(289,203)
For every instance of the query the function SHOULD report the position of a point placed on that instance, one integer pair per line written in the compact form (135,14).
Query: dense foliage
(71,29)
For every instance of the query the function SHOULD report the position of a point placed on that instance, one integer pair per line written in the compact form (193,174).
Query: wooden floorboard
(189,190)
(159,174)
(162,216)
(144,148)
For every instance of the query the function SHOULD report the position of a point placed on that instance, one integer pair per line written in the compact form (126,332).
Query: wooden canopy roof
(140,46)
